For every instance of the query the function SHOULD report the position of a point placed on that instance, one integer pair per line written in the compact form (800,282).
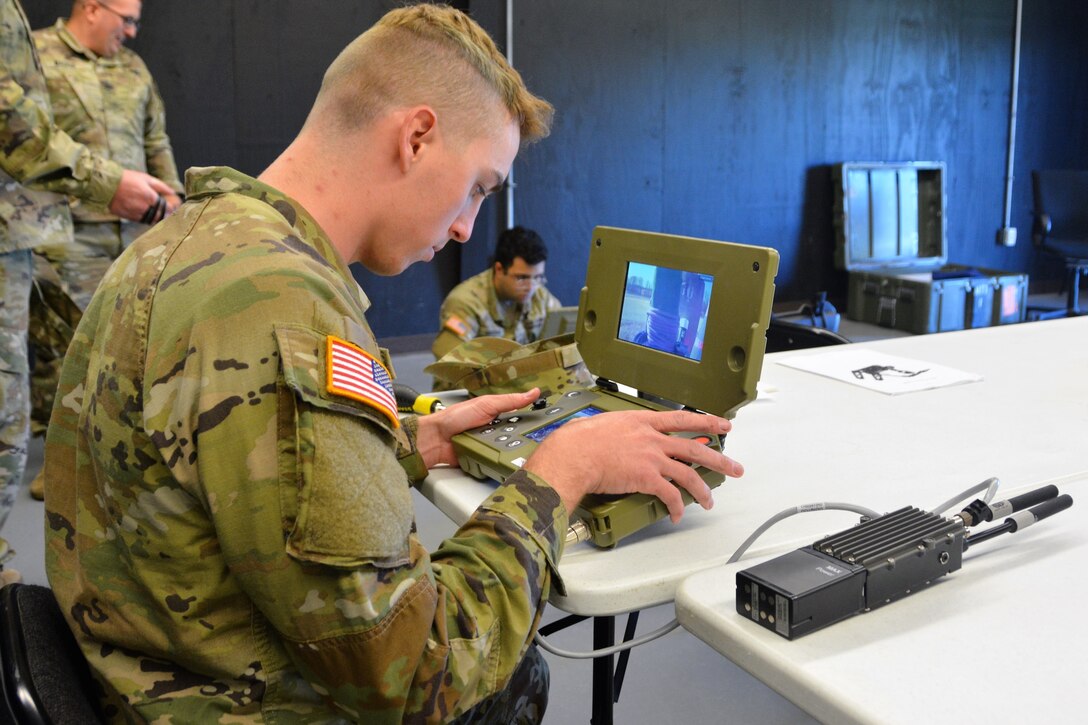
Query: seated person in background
(508,300)
(230,531)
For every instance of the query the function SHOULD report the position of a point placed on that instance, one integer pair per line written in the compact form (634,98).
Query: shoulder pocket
(337,374)
(352,499)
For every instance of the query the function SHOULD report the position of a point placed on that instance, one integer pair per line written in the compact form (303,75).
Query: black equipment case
(890,236)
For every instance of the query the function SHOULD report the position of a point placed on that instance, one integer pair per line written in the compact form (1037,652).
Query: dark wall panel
(716,118)
(747,103)
(282,48)
(1052,119)
(195,73)
(602,164)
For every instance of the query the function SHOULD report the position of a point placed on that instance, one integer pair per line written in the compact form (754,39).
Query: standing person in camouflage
(102,96)
(507,300)
(230,530)
(38,164)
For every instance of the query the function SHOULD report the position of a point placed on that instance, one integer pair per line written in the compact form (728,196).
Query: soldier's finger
(697,451)
(670,496)
(509,401)
(158,185)
(688,478)
(682,420)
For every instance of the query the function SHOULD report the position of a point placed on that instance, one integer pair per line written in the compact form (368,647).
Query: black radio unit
(874,563)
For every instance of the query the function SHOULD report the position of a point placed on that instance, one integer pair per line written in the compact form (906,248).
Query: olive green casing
(721,381)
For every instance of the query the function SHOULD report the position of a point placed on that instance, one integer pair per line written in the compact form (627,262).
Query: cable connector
(577,532)
(979,511)
(1022,520)
(975,513)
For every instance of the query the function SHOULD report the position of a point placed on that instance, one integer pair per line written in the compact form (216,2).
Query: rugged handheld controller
(682,320)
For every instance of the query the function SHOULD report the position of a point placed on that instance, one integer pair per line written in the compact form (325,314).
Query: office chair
(44,674)
(1061,229)
(785,335)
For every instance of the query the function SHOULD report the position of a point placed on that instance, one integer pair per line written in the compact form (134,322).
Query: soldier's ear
(418,131)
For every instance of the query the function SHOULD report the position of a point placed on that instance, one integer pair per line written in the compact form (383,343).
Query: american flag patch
(456,325)
(355,374)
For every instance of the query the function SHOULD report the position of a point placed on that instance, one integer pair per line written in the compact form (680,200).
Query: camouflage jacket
(472,309)
(34,152)
(110,105)
(228,531)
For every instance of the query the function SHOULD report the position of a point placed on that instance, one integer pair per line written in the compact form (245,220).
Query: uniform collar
(210,181)
(61,26)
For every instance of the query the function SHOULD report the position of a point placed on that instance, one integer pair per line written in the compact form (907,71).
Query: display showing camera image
(665,309)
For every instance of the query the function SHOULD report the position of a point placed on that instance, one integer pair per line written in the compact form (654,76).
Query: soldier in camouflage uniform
(38,163)
(508,300)
(230,531)
(103,96)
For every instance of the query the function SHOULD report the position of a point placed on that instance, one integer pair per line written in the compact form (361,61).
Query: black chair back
(44,674)
(1061,229)
(785,335)
(1061,211)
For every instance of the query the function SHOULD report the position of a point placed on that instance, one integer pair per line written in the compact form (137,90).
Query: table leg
(604,635)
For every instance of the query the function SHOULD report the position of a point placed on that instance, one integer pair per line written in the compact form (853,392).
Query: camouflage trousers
(65,278)
(15,276)
(522,702)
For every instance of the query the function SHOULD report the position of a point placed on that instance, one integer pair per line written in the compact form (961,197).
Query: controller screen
(541,433)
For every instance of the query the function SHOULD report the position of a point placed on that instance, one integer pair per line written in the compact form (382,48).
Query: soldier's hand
(436,429)
(631,451)
(136,193)
(173,201)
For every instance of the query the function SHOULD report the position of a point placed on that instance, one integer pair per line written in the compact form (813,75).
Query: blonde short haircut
(433,55)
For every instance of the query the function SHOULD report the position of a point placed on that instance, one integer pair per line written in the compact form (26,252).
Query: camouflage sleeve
(321,534)
(444,342)
(457,322)
(39,155)
(411,460)
(157,148)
